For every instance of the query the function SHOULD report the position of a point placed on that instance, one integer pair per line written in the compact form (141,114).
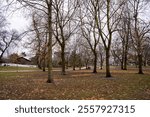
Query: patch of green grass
(8,74)
(10,68)
(4,76)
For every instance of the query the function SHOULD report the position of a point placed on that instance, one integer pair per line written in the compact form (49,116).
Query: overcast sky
(18,21)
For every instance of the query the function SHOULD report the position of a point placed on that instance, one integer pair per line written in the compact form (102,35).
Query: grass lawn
(9,68)
(80,84)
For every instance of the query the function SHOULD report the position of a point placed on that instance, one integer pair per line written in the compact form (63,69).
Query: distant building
(24,61)
(4,60)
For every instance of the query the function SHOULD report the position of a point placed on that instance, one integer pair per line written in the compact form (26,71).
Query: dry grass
(10,68)
(75,85)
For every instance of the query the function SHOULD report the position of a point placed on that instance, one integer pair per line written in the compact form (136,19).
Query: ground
(30,83)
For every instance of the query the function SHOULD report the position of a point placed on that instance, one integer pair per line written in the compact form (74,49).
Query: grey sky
(18,21)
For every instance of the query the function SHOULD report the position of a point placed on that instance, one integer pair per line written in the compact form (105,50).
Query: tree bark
(39,62)
(1,55)
(63,59)
(44,65)
(50,79)
(127,45)
(74,60)
(74,68)
(95,63)
(74,65)
(125,61)
(122,67)
(86,64)
(67,62)
(123,55)
(101,64)
(140,64)
(108,74)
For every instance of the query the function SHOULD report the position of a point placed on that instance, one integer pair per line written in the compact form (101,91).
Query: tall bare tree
(140,29)
(107,18)
(65,25)
(45,7)
(125,34)
(35,23)
(89,30)
(89,33)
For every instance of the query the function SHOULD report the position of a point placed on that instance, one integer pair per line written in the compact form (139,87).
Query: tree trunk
(122,68)
(63,59)
(101,64)
(67,64)
(80,67)
(74,62)
(140,64)
(1,56)
(123,55)
(44,65)
(108,74)
(39,62)
(1,60)
(136,60)
(126,45)
(145,61)
(125,61)
(126,51)
(95,63)
(74,67)
(86,65)
(50,79)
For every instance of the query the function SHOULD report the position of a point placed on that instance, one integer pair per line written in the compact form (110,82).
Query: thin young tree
(124,32)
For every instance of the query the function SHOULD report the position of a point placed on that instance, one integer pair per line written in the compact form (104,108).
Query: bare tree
(8,39)
(2,33)
(38,36)
(101,55)
(89,31)
(72,49)
(140,29)
(124,32)
(45,7)
(107,18)
(64,25)
(146,54)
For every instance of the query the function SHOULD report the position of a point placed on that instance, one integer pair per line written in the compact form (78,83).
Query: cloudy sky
(18,21)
